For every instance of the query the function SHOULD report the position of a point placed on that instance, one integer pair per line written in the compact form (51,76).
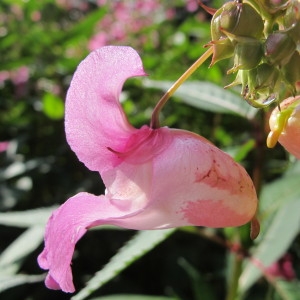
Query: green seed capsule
(279,48)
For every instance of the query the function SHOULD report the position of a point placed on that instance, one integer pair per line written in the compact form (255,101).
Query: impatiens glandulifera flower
(155,178)
(285,126)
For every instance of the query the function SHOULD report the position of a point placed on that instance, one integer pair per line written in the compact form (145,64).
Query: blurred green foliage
(41,43)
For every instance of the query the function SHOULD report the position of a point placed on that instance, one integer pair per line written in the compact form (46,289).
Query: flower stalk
(155,115)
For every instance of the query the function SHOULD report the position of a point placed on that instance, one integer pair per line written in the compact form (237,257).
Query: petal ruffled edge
(66,226)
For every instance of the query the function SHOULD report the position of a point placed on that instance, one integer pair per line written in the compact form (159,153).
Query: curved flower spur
(155,178)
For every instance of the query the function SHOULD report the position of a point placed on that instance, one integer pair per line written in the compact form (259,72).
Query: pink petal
(290,136)
(94,118)
(192,182)
(187,181)
(66,226)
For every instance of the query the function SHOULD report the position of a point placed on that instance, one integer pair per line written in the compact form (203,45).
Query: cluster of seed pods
(263,38)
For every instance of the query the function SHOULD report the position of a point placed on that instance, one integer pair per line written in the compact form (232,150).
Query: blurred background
(41,43)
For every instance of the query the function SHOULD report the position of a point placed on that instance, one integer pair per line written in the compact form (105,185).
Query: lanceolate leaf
(280,225)
(139,245)
(7,282)
(12,256)
(287,290)
(26,218)
(207,96)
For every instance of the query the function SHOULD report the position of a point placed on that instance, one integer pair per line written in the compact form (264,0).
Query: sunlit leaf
(53,106)
(7,282)
(27,218)
(207,96)
(139,245)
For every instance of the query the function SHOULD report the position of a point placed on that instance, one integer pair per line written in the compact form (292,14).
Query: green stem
(155,115)
(235,275)
(257,176)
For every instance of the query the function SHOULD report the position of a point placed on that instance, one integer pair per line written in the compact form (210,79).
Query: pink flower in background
(192,5)
(19,78)
(154,178)
(3,146)
(283,268)
(125,18)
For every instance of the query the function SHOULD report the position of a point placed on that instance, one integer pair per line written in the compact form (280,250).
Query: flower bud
(222,46)
(236,17)
(274,6)
(231,22)
(285,126)
(263,77)
(291,21)
(279,48)
(259,85)
(291,71)
(247,54)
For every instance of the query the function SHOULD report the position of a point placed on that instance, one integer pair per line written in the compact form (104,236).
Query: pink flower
(154,178)
(3,146)
(285,126)
(283,268)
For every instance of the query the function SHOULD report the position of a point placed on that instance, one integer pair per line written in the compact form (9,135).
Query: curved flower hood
(154,178)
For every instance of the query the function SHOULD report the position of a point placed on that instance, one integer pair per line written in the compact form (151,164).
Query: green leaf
(7,282)
(201,288)
(133,297)
(280,207)
(27,218)
(287,290)
(53,106)
(207,96)
(139,245)
(27,242)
